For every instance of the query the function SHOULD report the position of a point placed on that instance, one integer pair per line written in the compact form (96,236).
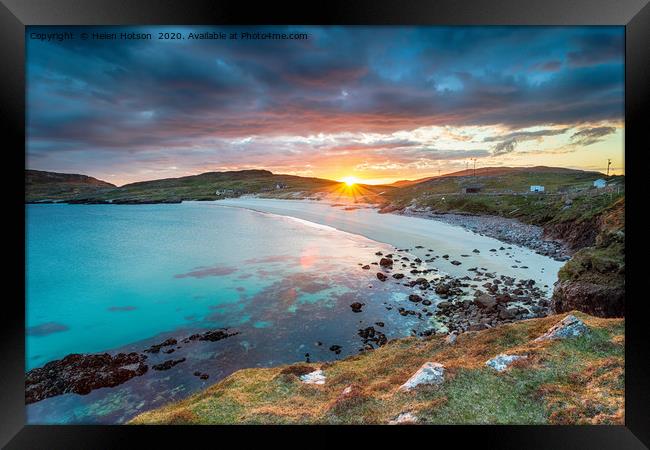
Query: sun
(349,181)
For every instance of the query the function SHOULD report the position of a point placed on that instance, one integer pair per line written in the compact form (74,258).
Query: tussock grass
(577,380)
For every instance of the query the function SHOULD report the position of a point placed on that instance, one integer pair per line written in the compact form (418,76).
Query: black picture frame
(16,14)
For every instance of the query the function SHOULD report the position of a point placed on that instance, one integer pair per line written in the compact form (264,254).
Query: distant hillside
(490,181)
(52,186)
(524,174)
(214,185)
(47,186)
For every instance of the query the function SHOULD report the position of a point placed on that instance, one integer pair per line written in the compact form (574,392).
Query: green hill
(53,186)
(205,186)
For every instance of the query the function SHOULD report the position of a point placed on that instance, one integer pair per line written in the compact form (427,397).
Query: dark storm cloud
(590,136)
(104,97)
(508,143)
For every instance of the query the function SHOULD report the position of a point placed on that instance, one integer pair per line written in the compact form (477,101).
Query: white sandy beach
(409,232)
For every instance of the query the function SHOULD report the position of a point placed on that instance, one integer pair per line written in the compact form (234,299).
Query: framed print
(393,217)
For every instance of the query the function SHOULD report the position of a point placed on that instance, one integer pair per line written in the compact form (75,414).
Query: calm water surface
(122,277)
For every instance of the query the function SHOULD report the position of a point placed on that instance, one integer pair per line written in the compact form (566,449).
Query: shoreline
(471,299)
(506,230)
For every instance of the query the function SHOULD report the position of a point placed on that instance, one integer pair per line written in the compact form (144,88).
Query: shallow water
(123,277)
(409,232)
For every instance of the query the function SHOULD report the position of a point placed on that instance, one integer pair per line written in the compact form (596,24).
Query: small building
(600,183)
(472,190)
(536,188)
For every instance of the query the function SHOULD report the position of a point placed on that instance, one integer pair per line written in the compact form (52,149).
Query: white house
(536,188)
(600,183)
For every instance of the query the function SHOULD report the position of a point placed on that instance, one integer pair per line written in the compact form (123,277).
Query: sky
(380,104)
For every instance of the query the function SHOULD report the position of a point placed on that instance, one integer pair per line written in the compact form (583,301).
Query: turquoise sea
(121,277)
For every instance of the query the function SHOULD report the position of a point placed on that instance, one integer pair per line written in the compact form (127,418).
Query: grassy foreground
(571,381)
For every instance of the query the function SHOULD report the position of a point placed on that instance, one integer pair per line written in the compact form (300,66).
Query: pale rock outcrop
(568,327)
(429,373)
(404,418)
(502,362)
(315,377)
(451,338)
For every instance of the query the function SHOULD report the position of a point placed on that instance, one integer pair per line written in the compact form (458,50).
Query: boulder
(336,349)
(430,373)
(381,276)
(485,301)
(356,307)
(442,289)
(568,327)
(386,262)
(598,300)
(502,361)
(315,377)
(451,338)
(404,419)
(415,298)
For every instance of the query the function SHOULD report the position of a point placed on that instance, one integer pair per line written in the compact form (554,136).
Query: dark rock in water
(203,376)
(366,267)
(167,364)
(381,276)
(356,307)
(156,348)
(426,302)
(398,276)
(379,253)
(485,301)
(456,263)
(379,324)
(336,349)
(169,350)
(212,335)
(81,374)
(369,335)
(504,298)
(445,256)
(386,262)
(476,251)
(442,289)
(415,298)
(507,313)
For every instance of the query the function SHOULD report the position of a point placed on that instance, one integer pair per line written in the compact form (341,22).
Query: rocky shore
(83,373)
(453,305)
(511,231)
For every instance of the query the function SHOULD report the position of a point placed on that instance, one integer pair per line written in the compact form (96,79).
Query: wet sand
(409,232)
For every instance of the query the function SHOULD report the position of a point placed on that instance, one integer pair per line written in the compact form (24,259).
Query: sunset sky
(377,103)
